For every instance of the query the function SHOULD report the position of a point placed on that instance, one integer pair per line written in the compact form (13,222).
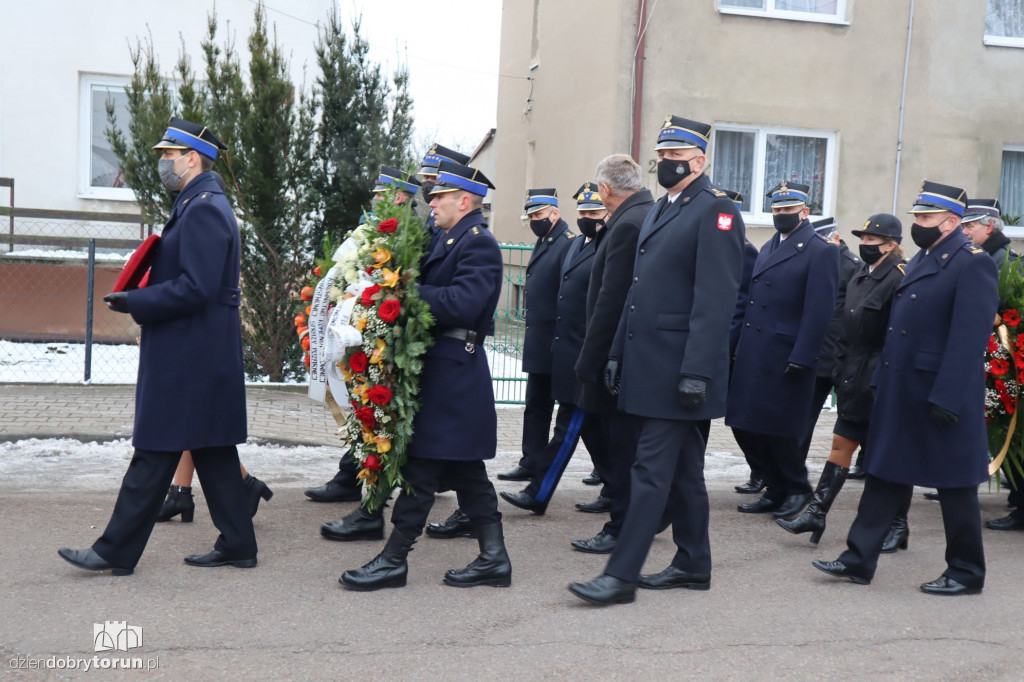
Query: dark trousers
(614,462)
(779,461)
(669,470)
(549,464)
(348,468)
(468,479)
(882,501)
(822,388)
(537,417)
(142,493)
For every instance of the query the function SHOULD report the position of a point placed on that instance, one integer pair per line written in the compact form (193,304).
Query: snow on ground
(65,254)
(62,463)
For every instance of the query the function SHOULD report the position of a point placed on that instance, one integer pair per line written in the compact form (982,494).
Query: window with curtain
(1011,183)
(99,172)
(812,10)
(1005,19)
(752,160)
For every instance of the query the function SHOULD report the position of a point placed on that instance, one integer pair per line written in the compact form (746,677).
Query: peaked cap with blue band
(587,198)
(736,197)
(452,177)
(392,177)
(981,208)
(682,133)
(825,227)
(182,134)
(436,155)
(536,199)
(935,198)
(789,194)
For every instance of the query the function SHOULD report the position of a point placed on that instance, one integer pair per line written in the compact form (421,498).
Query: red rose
(365,415)
(389,310)
(307,293)
(368,294)
(357,363)
(1011,318)
(389,225)
(379,395)
(372,462)
(316,271)
(369,270)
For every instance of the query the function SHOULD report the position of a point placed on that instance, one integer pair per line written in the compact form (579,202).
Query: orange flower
(307,293)
(360,324)
(378,353)
(383,445)
(390,277)
(380,257)
(370,477)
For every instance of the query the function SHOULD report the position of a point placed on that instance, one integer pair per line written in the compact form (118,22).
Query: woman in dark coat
(865,316)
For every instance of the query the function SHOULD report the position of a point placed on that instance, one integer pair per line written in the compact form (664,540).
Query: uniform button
(913,296)
(758,329)
(898,295)
(890,328)
(558,319)
(561,298)
(755,280)
(887,364)
(556,338)
(632,308)
(631,335)
(748,324)
(636,279)
(767,282)
(565,278)
(528,275)
(851,310)
(903,333)
(642,252)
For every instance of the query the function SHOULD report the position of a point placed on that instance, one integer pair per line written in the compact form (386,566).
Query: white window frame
(771,13)
(85,189)
(1011,231)
(1001,41)
(756,216)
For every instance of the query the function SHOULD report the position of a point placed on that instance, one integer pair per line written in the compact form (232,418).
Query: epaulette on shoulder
(717,192)
(476,230)
(823,239)
(971,248)
(570,235)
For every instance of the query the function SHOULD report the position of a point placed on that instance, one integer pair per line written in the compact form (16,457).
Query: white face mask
(171,180)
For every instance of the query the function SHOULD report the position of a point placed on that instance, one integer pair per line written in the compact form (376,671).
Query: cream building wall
(962,103)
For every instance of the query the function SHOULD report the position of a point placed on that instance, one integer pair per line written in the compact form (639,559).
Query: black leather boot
(492,567)
(897,536)
(813,519)
(179,501)
(359,525)
(387,569)
(455,526)
(254,490)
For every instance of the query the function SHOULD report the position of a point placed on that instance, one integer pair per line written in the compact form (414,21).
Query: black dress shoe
(1010,522)
(523,500)
(838,569)
(673,577)
(605,590)
(792,505)
(602,543)
(947,587)
(455,526)
(593,479)
(602,505)
(91,561)
(761,505)
(857,473)
(334,492)
(751,487)
(517,474)
(932,495)
(359,525)
(217,558)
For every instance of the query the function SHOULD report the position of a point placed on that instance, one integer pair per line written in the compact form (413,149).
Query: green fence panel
(505,348)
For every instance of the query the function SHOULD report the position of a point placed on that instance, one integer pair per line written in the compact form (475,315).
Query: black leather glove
(118,302)
(941,415)
(795,370)
(611,376)
(693,393)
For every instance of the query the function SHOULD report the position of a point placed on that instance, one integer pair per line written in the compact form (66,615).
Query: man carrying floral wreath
(455,429)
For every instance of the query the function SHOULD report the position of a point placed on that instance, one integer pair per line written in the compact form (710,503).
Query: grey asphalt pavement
(769,615)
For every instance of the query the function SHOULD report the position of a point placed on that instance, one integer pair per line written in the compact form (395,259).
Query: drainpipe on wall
(638,79)
(903,102)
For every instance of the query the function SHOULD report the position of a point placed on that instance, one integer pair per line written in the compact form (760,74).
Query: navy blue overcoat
(942,316)
(190,392)
(689,260)
(461,282)
(792,297)
(543,274)
(571,320)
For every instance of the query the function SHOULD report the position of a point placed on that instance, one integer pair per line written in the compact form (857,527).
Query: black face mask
(426,187)
(540,227)
(786,222)
(923,236)
(870,253)
(672,171)
(589,226)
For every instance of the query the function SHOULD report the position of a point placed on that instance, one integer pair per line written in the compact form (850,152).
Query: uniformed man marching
(792,294)
(928,419)
(190,393)
(455,429)
(670,365)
